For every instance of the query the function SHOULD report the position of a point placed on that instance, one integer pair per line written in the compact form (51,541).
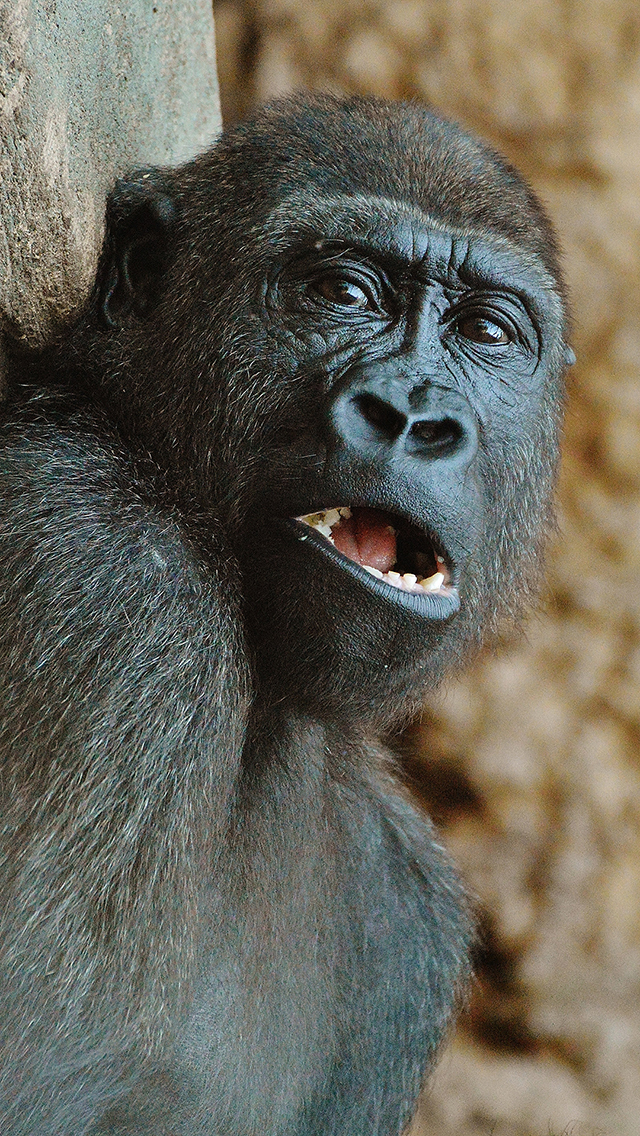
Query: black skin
(221,914)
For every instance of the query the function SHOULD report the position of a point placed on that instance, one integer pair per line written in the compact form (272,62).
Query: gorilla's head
(341,333)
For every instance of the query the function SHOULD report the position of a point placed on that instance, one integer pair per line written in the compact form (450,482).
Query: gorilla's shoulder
(73,493)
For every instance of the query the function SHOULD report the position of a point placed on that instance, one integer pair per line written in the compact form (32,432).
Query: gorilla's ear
(140,217)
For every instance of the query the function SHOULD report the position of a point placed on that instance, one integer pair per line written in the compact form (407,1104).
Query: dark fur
(221,915)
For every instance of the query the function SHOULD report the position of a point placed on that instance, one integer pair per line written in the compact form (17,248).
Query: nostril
(380,414)
(439,434)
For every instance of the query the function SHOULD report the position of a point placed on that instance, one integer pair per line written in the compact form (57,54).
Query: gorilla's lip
(423,577)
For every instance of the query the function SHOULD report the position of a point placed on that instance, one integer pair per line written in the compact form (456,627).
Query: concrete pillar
(88,90)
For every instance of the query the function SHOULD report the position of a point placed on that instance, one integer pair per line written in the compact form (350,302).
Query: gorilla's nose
(376,411)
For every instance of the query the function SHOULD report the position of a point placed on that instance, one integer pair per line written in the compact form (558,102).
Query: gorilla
(292,465)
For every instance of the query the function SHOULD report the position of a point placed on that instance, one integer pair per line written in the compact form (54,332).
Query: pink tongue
(368,538)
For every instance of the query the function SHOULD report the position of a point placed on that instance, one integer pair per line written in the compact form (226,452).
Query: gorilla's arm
(118,734)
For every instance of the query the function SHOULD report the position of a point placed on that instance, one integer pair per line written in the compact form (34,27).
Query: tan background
(532,763)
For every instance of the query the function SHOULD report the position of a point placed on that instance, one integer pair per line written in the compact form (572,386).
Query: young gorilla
(292,465)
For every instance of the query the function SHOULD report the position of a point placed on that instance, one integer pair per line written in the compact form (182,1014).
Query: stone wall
(87,92)
(532,763)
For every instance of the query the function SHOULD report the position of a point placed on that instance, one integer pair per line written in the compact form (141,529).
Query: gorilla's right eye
(485,331)
(343,291)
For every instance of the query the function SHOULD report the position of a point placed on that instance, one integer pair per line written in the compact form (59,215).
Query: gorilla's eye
(482,330)
(343,291)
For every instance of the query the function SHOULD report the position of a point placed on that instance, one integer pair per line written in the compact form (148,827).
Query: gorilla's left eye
(343,291)
(480,329)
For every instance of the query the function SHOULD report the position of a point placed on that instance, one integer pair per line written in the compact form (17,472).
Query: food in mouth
(389,548)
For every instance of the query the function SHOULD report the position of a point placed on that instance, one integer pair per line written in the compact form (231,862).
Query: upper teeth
(329,517)
(324,521)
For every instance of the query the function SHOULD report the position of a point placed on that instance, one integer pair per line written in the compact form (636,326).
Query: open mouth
(388,547)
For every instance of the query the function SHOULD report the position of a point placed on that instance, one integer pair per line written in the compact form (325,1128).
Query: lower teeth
(408,582)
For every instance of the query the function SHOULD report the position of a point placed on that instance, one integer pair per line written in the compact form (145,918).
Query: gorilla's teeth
(408,582)
(323,522)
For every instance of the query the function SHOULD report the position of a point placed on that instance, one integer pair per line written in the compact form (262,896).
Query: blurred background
(531,765)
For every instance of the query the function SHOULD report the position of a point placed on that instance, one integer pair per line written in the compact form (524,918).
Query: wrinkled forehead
(403,231)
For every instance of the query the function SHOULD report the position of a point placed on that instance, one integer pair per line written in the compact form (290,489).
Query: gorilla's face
(409,370)
(363,387)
